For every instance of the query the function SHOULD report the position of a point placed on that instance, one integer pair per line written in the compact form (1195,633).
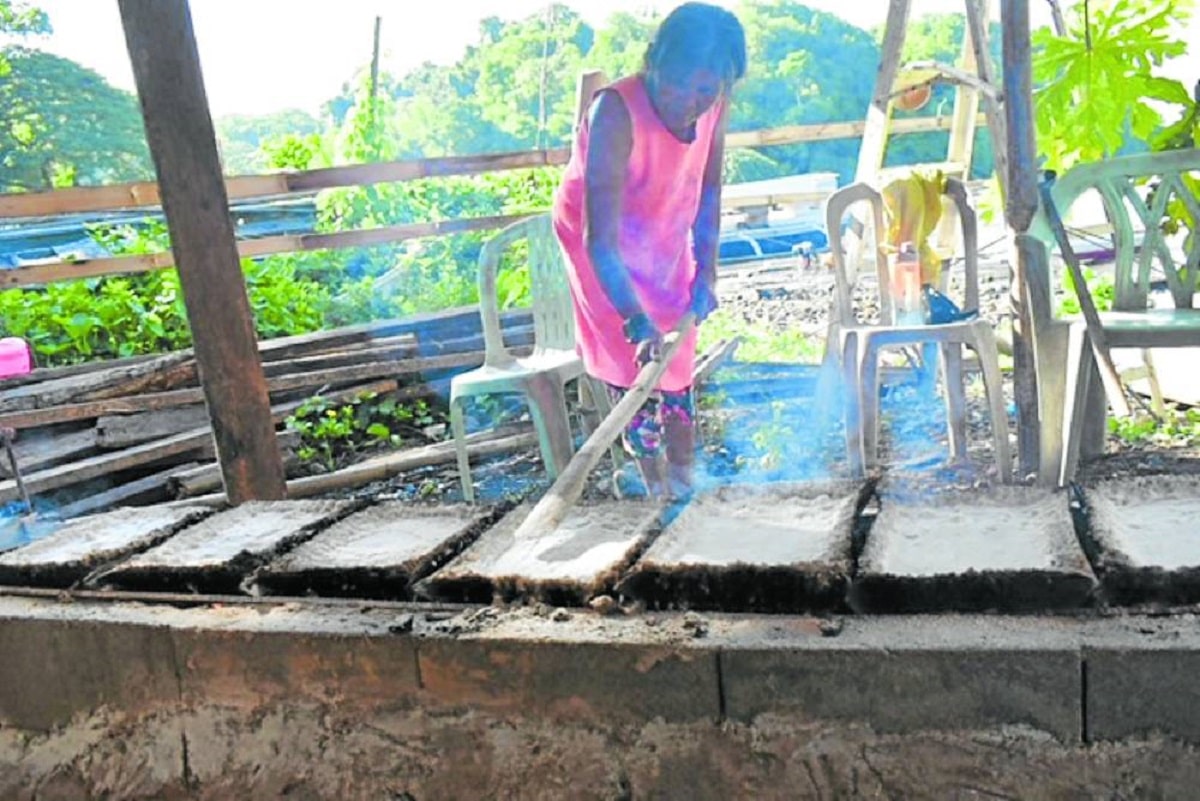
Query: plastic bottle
(906,286)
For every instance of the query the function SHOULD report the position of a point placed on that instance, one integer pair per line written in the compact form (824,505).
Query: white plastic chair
(855,346)
(540,377)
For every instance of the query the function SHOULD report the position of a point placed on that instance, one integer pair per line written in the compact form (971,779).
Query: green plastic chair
(540,377)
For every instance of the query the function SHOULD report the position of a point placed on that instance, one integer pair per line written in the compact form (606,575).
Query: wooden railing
(145,195)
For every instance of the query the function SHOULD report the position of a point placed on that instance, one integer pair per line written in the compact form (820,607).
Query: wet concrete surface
(376,553)
(776,548)
(1142,535)
(580,559)
(1007,549)
(78,547)
(218,553)
(763,549)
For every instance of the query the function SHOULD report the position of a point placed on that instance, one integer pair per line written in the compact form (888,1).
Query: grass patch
(762,341)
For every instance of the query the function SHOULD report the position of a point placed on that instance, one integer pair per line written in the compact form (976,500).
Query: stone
(375,553)
(577,561)
(89,543)
(1005,548)
(781,548)
(220,552)
(1142,534)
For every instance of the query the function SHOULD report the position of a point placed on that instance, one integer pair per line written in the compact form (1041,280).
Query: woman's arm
(609,145)
(706,229)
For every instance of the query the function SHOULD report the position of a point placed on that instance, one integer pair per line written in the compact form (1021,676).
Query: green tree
(620,46)
(19,19)
(526,75)
(63,124)
(243,137)
(805,66)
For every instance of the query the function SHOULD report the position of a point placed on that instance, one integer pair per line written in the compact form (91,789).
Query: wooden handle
(554,505)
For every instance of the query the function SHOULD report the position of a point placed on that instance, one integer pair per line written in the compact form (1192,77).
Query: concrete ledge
(1139,692)
(582,681)
(106,700)
(1075,678)
(254,669)
(910,690)
(54,670)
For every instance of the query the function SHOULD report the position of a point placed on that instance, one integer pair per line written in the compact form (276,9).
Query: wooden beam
(144,194)
(49,272)
(874,143)
(179,130)
(822,131)
(1021,205)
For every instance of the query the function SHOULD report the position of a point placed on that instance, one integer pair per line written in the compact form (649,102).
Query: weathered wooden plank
(204,478)
(823,131)
(179,130)
(71,388)
(37,449)
(92,409)
(124,430)
(142,490)
(84,469)
(341,375)
(46,373)
(392,349)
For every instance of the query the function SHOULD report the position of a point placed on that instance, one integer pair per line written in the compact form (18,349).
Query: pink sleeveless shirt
(658,206)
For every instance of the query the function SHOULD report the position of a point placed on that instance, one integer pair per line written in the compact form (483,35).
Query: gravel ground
(769,422)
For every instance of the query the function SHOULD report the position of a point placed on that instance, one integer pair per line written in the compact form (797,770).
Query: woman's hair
(699,36)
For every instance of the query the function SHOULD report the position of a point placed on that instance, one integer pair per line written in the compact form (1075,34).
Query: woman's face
(680,96)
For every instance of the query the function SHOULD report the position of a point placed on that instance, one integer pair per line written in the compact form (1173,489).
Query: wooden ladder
(973,79)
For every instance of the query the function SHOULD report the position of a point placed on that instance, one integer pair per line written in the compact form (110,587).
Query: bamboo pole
(567,488)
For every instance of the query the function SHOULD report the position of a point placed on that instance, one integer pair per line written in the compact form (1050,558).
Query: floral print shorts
(643,436)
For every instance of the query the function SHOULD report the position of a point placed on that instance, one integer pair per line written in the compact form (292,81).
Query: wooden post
(874,141)
(1021,205)
(179,130)
(966,100)
(977,25)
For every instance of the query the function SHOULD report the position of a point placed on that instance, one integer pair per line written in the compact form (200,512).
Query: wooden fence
(145,195)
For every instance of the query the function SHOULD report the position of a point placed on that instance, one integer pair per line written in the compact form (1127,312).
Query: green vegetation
(762,341)
(331,433)
(1099,84)
(1178,428)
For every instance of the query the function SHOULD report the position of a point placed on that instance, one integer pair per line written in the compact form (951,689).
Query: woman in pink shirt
(638,216)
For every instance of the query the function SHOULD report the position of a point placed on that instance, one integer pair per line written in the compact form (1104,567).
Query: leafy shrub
(102,318)
(330,433)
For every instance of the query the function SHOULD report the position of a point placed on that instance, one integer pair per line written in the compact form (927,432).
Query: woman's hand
(648,350)
(646,339)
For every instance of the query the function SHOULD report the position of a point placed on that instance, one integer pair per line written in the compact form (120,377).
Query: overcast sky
(261,56)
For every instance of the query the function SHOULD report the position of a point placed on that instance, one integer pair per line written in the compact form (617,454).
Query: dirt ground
(757,421)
